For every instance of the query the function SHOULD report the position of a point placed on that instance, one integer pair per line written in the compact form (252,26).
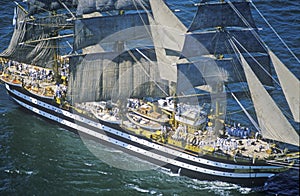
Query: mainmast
(116,57)
(210,56)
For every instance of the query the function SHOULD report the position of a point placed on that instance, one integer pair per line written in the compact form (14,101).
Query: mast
(210,57)
(33,37)
(273,124)
(168,35)
(55,55)
(120,54)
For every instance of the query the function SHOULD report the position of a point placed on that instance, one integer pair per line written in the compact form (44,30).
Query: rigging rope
(283,42)
(247,114)
(235,48)
(148,13)
(255,35)
(260,41)
(136,60)
(269,74)
(238,111)
(237,72)
(246,23)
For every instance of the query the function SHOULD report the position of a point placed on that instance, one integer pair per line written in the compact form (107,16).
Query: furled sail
(168,33)
(110,29)
(272,122)
(89,6)
(22,49)
(222,14)
(44,26)
(37,6)
(110,75)
(290,86)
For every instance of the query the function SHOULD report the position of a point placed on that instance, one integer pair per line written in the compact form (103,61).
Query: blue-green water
(40,158)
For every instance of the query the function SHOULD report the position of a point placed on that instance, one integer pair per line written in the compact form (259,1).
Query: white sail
(289,84)
(166,18)
(272,122)
(167,33)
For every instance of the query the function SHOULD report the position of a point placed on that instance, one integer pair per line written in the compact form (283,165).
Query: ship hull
(245,173)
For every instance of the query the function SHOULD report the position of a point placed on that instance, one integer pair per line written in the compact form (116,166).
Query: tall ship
(129,74)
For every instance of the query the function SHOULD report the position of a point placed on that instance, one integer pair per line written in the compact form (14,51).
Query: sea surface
(41,158)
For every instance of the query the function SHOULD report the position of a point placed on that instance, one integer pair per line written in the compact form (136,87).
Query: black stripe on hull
(190,173)
(248,182)
(122,139)
(22,99)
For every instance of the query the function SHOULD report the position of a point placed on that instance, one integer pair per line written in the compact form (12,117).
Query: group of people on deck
(30,72)
(238,131)
(226,145)
(134,103)
(32,77)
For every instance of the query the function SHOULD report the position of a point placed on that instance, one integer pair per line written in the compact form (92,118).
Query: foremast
(35,38)
(57,76)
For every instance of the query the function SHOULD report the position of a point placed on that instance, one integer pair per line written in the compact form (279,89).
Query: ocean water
(40,158)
